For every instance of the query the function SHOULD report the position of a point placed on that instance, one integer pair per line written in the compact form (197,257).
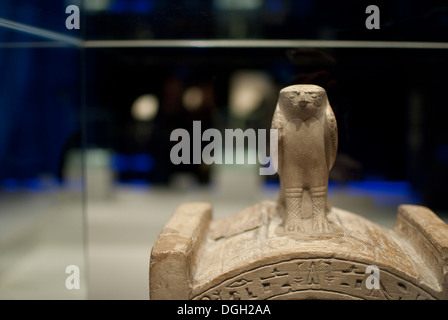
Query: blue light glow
(274,6)
(133,6)
(383,193)
(10,185)
(442,153)
(132,163)
(29,185)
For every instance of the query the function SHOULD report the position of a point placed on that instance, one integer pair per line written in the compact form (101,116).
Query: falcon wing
(331,137)
(277,123)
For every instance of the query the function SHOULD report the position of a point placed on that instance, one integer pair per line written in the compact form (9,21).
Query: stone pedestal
(249,256)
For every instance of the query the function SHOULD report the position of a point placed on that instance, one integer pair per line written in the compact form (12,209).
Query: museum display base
(249,256)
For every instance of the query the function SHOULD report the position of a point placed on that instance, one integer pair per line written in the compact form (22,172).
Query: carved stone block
(249,256)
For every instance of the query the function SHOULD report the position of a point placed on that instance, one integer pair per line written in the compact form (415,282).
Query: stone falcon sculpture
(259,253)
(307,147)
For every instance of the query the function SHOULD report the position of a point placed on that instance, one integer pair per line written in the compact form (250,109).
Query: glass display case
(42,214)
(92,91)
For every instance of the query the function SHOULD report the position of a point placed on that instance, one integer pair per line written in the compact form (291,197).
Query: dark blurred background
(126,101)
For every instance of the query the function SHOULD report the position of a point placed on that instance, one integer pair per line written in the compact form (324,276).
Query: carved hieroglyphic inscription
(338,277)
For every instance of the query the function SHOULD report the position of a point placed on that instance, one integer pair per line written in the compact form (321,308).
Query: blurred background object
(86,117)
